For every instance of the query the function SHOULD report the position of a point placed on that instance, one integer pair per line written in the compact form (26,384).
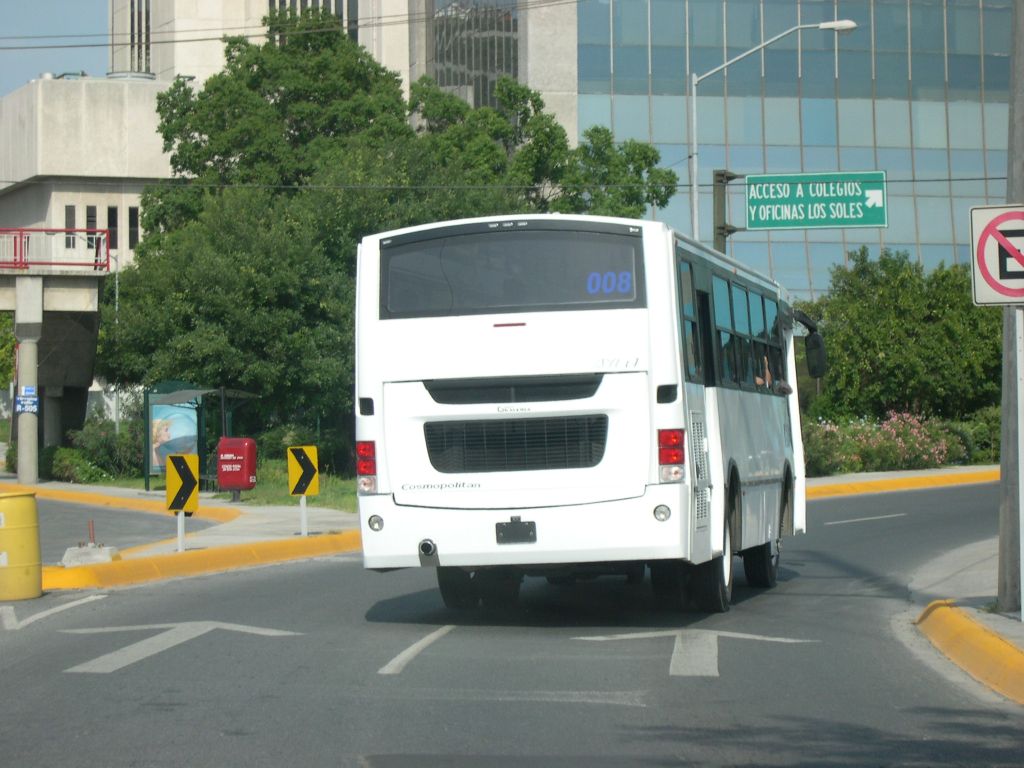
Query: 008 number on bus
(610,283)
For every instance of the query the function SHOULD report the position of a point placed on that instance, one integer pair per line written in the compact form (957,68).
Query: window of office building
(69,223)
(139,35)
(919,90)
(133,227)
(112,225)
(476,43)
(90,225)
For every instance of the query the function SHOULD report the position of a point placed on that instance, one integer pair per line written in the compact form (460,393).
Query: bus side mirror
(814,346)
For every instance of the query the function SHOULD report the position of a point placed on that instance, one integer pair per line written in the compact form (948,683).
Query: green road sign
(816,200)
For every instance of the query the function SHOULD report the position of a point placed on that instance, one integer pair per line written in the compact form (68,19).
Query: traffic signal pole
(722,228)
(1011,552)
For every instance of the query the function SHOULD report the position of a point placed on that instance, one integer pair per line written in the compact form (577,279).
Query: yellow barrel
(21,572)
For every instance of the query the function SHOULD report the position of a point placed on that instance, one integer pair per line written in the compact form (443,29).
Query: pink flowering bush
(900,441)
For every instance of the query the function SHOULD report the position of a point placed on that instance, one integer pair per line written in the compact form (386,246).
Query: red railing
(75,249)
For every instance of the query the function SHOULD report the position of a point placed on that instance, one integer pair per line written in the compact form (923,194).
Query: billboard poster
(172,429)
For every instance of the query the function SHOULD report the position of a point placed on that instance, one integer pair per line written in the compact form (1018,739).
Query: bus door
(698,375)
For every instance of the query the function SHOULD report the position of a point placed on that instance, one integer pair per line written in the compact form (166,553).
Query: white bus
(569,396)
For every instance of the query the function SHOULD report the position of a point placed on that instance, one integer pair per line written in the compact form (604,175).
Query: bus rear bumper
(611,531)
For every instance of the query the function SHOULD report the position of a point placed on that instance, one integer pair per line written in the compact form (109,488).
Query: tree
(243,297)
(898,339)
(282,162)
(7,346)
(607,179)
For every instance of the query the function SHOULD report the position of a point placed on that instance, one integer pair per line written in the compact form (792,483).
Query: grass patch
(271,488)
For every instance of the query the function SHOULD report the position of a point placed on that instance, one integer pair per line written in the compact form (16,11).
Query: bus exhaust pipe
(428,548)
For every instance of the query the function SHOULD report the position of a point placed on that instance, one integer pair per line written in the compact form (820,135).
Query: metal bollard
(21,573)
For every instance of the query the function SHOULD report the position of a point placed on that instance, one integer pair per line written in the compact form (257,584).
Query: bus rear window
(511,271)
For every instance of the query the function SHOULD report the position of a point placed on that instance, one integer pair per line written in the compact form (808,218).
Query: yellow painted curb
(976,649)
(197,562)
(902,483)
(216,514)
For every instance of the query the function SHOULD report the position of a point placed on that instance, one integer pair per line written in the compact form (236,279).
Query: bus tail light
(366,466)
(671,454)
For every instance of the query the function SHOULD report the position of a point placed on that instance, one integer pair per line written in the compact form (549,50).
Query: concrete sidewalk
(957,589)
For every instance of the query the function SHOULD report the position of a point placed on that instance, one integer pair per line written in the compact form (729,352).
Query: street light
(840,25)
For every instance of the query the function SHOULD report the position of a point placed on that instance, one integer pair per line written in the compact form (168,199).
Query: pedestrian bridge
(51,279)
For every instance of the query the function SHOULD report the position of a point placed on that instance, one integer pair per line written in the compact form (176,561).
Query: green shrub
(46,462)
(829,449)
(984,430)
(273,443)
(11,460)
(118,453)
(71,466)
(334,445)
(901,441)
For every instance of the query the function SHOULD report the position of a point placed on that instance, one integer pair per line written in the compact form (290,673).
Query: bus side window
(726,336)
(776,361)
(763,377)
(692,358)
(741,316)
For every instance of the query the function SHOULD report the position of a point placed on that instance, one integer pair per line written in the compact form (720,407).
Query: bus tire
(761,563)
(498,588)
(458,591)
(712,587)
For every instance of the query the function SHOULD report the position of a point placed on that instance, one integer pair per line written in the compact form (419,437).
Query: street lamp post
(840,25)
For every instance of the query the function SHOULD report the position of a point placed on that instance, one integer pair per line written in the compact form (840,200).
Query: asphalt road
(322,663)
(67,525)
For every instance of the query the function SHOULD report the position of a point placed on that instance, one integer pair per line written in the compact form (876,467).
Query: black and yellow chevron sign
(303,475)
(183,483)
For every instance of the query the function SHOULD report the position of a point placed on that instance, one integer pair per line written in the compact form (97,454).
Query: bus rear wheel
(712,581)
(457,588)
(761,564)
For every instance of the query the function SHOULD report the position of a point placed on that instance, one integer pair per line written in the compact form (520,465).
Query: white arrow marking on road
(9,620)
(175,634)
(873,198)
(695,653)
(397,664)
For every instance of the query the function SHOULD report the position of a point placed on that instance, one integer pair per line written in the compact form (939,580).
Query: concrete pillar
(28,328)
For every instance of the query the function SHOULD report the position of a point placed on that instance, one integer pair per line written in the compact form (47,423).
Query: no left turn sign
(997,240)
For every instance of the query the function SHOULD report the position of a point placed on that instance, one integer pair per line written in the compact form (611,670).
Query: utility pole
(1010,554)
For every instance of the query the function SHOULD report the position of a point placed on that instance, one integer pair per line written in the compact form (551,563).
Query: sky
(78,22)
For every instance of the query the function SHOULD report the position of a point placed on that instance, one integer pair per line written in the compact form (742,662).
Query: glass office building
(919,90)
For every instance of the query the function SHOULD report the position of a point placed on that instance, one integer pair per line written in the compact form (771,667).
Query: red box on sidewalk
(236,463)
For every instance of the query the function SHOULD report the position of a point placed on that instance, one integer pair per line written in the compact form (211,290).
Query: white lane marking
(603,698)
(695,652)
(173,634)
(866,519)
(397,664)
(9,619)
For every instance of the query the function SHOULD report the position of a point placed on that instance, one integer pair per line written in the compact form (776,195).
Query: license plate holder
(516,531)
